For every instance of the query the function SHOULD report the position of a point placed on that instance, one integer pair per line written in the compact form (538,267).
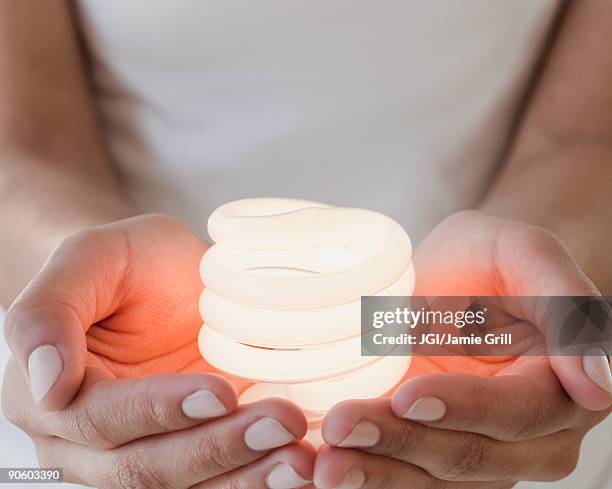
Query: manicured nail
(597,367)
(364,434)
(203,404)
(426,409)
(267,433)
(353,480)
(283,476)
(44,367)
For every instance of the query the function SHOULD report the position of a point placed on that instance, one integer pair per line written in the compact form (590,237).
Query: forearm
(42,202)
(55,174)
(558,173)
(568,192)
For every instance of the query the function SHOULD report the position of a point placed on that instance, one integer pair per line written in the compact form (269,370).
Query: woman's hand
(122,297)
(107,333)
(458,431)
(164,431)
(475,422)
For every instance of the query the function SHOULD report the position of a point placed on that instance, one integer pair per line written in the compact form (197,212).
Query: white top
(401,106)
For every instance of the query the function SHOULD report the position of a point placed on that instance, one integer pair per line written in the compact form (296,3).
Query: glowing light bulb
(282,298)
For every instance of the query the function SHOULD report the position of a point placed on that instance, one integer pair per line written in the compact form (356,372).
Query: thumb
(583,368)
(535,266)
(46,325)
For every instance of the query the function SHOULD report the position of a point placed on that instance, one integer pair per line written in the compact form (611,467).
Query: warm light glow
(282,294)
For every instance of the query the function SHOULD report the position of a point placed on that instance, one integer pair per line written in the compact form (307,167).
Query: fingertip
(44,366)
(222,388)
(50,348)
(344,417)
(300,455)
(285,412)
(332,466)
(55,373)
(202,396)
(586,379)
(413,390)
(337,423)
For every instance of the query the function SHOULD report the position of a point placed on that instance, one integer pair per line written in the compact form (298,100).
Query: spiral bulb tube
(282,298)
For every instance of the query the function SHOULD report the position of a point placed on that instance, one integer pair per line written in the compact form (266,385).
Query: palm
(154,322)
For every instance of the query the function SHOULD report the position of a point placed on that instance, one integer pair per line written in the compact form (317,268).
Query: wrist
(38,219)
(580,229)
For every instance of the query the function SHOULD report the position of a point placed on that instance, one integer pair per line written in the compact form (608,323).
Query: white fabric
(400,106)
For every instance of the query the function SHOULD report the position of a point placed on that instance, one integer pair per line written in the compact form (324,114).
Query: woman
(409,108)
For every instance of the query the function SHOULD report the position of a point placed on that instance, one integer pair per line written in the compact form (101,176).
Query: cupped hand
(121,297)
(462,422)
(164,431)
(107,379)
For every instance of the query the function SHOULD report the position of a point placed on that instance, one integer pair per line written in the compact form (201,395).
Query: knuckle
(564,462)
(159,414)
(533,420)
(45,454)
(401,441)
(544,237)
(539,240)
(89,429)
(16,329)
(161,219)
(127,471)
(568,465)
(85,240)
(216,455)
(84,237)
(385,480)
(469,458)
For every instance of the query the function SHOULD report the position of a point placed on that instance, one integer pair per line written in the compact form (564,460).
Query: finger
(183,458)
(586,379)
(519,260)
(109,412)
(503,407)
(45,327)
(584,371)
(286,468)
(341,467)
(446,454)
(186,457)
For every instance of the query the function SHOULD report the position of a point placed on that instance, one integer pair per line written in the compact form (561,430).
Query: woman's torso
(401,106)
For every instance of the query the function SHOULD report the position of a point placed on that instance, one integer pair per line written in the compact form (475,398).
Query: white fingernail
(203,404)
(426,409)
(353,480)
(267,433)
(364,434)
(597,367)
(283,476)
(44,367)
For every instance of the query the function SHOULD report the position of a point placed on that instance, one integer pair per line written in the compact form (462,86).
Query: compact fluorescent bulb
(282,298)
